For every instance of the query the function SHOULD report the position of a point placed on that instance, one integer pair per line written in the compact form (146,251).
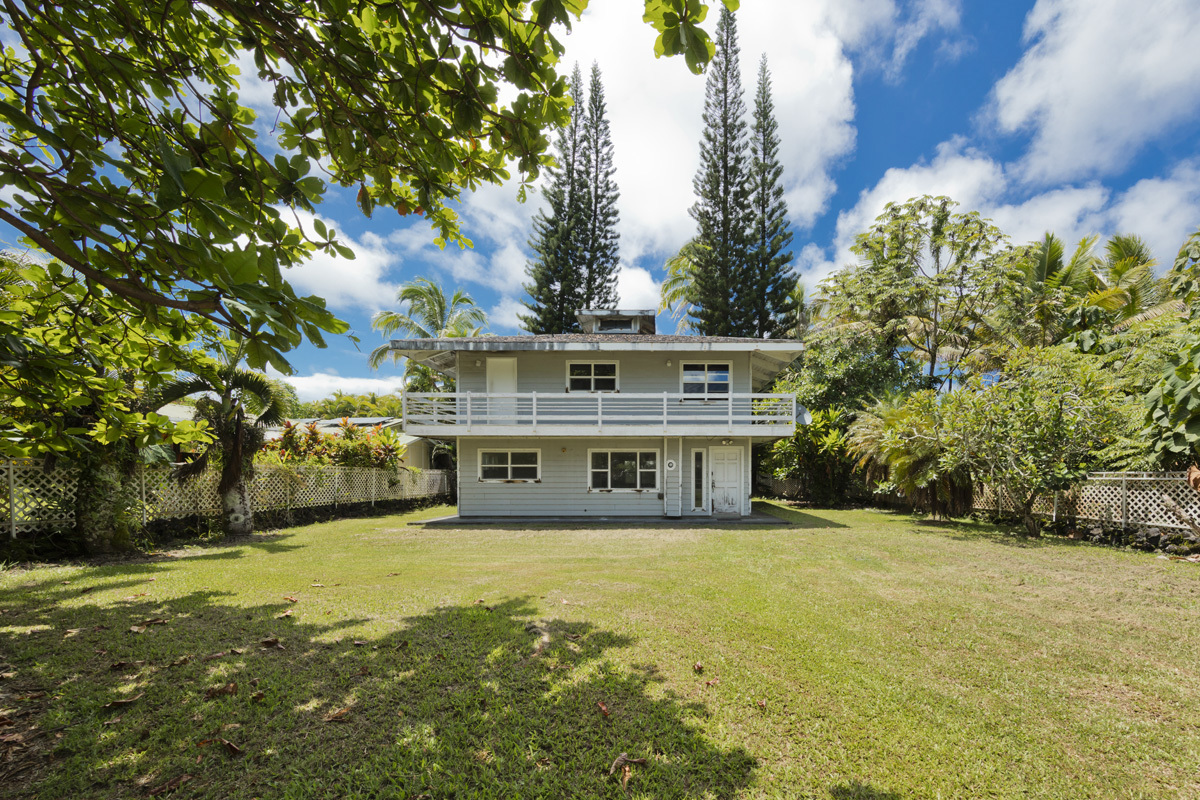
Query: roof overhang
(768,357)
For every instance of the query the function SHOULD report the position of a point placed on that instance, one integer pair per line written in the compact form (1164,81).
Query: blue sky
(1076,116)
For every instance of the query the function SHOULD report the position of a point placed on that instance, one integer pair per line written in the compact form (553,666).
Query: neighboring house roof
(767,356)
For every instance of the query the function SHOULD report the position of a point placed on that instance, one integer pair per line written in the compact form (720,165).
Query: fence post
(1124,501)
(142,481)
(374,482)
(337,471)
(1056,494)
(12,502)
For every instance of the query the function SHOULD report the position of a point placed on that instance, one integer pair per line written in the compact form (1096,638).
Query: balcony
(765,416)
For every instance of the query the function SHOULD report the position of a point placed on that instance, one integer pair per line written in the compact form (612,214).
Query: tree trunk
(237,516)
(1033,525)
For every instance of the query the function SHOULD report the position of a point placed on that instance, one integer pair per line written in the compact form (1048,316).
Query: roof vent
(608,320)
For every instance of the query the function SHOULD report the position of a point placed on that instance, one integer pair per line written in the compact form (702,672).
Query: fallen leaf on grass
(12,738)
(217,691)
(155,621)
(626,772)
(698,667)
(365,670)
(99,627)
(360,643)
(574,637)
(317,585)
(214,656)
(272,643)
(622,760)
(125,702)
(121,665)
(136,596)
(7,676)
(287,613)
(762,703)
(113,721)
(230,747)
(137,629)
(257,697)
(170,785)
(179,662)
(392,574)
(87,589)
(237,651)
(337,716)
(290,599)
(603,708)
(713,682)
(32,696)
(566,602)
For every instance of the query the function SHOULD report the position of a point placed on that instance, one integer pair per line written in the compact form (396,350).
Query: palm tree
(426,314)
(237,404)
(678,291)
(1124,284)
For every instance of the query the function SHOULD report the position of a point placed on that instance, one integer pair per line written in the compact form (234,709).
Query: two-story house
(614,421)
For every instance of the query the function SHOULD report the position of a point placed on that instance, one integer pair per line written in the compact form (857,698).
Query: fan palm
(237,404)
(426,313)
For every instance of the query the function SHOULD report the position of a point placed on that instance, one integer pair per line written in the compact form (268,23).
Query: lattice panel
(169,498)
(39,500)
(354,485)
(316,487)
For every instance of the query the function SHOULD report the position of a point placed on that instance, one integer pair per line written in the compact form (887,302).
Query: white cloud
(503,317)
(360,282)
(636,289)
(1162,210)
(322,384)
(1100,79)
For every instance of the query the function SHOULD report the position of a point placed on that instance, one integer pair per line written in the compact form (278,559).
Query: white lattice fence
(1128,498)
(32,499)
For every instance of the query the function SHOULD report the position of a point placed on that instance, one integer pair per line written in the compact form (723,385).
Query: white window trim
(704,480)
(510,450)
(658,473)
(617,377)
(706,396)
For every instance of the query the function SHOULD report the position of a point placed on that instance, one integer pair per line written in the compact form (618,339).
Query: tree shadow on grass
(860,791)
(799,519)
(460,701)
(970,530)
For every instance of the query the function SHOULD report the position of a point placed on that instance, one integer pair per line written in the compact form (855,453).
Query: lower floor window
(624,469)
(509,465)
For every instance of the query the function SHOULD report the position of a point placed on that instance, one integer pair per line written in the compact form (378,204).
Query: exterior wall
(638,372)
(416,454)
(563,487)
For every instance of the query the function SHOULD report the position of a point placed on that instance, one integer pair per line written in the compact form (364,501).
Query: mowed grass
(855,654)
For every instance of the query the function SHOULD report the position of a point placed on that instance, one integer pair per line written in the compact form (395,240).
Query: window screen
(508,465)
(592,377)
(624,469)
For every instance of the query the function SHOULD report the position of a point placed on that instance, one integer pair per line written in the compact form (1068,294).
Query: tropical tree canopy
(130,153)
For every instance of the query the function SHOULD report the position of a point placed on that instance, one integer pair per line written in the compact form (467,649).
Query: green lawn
(857,654)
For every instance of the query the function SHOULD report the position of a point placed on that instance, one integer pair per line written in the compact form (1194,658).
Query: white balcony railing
(580,414)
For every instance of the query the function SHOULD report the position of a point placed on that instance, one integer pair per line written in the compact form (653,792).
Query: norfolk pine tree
(769,294)
(555,289)
(722,210)
(600,238)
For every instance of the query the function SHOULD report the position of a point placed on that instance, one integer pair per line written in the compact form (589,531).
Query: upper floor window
(510,465)
(609,325)
(706,379)
(592,376)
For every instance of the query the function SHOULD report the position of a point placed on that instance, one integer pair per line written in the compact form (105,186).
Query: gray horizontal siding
(563,490)
(638,372)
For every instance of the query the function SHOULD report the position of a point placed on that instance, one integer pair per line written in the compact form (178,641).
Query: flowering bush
(353,446)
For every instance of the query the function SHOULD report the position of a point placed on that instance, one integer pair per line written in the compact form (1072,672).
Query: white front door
(726,465)
(502,379)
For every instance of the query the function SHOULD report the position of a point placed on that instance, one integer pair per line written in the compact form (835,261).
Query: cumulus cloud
(1162,210)
(322,384)
(1099,79)
(360,282)
(636,288)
